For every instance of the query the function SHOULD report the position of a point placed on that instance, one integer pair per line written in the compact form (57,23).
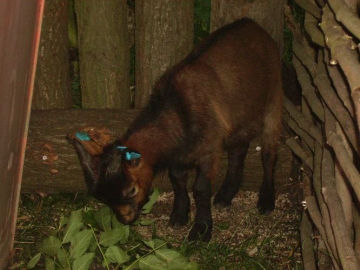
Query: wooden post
(103,53)
(20,26)
(52,82)
(163,36)
(267,13)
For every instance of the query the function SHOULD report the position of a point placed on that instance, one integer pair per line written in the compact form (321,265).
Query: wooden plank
(20,23)
(104,55)
(61,172)
(164,35)
(267,13)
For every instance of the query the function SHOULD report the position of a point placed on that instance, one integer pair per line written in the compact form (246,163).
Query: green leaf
(62,257)
(63,221)
(81,243)
(89,218)
(50,246)
(72,229)
(152,200)
(149,243)
(93,246)
(34,260)
(159,243)
(167,255)
(174,260)
(112,237)
(146,222)
(116,223)
(49,263)
(192,266)
(151,262)
(103,218)
(83,262)
(115,254)
(154,243)
(133,266)
(76,216)
(74,225)
(182,263)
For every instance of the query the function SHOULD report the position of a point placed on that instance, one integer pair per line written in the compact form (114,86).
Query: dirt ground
(240,233)
(275,235)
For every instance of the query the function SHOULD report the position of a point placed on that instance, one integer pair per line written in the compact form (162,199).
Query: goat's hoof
(265,206)
(178,220)
(221,203)
(200,231)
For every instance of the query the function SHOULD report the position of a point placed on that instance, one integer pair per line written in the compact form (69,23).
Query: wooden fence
(326,59)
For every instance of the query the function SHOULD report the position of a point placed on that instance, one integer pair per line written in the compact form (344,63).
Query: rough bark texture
(346,15)
(61,172)
(311,26)
(342,236)
(340,85)
(163,36)
(310,7)
(103,53)
(267,13)
(343,53)
(307,244)
(326,82)
(52,85)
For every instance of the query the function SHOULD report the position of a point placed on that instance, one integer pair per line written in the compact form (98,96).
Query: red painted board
(20,24)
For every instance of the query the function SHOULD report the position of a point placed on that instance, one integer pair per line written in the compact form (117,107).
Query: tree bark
(342,52)
(163,36)
(307,244)
(104,53)
(335,174)
(52,84)
(51,163)
(343,241)
(267,13)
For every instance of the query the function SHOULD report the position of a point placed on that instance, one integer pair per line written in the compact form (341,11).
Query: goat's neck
(158,138)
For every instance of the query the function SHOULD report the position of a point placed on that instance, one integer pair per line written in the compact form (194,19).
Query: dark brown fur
(225,93)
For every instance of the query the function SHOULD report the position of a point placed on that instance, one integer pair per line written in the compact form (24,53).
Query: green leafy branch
(91,236)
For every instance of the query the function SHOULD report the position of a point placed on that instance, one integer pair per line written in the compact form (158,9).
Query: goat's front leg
(179,215)
(206,172)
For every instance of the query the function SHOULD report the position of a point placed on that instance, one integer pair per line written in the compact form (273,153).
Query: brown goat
(222,95)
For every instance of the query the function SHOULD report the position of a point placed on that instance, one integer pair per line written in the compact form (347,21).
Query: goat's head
(119,177)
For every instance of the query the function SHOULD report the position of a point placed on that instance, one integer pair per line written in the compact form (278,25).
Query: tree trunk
(267,13)
(163,36)
(52,85)
(51,163)
(103,53)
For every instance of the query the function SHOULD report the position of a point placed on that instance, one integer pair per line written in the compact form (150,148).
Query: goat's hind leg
(266,202)
(270,138)
(231,184)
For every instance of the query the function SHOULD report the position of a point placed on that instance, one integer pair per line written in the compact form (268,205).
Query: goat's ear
(90,165)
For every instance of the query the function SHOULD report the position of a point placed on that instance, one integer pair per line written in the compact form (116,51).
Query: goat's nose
(130,192)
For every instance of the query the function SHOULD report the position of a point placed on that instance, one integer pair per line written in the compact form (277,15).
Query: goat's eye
(133,162)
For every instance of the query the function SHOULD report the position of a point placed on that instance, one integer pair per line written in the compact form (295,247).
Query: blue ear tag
(128,155)
(132,155)
(83,136)
(121,147)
